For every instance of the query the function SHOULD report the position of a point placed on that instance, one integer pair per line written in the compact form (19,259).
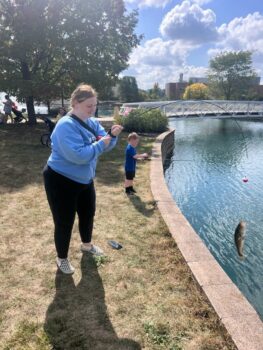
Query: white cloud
(161,61)
(161,3)
(187,27)
(214,52)
(149,3)
(146,76)
(157,52)
(189,22)
(201,2)
(243,33)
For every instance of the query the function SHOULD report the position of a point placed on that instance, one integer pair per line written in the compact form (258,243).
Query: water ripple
(210,159)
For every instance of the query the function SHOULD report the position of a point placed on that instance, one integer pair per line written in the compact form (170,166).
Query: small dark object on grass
(115,245)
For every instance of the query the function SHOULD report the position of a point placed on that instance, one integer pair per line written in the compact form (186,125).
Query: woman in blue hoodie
(77,141)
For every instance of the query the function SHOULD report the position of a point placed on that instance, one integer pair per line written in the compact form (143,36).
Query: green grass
(140,297)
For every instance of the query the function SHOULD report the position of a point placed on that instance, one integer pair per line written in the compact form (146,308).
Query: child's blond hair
(133,136)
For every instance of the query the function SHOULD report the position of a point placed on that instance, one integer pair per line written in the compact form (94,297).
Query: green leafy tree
(47,46)
(143,96)
(156,93)
(128,89)
(231,75)
(196,91)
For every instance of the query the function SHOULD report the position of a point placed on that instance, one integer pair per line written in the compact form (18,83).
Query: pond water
(204,175)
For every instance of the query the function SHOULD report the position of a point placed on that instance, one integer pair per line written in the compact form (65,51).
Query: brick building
(175,91)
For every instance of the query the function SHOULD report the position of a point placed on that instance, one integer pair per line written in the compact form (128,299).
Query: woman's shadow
(77,318)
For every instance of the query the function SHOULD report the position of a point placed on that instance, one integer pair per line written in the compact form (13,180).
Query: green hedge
(141,120)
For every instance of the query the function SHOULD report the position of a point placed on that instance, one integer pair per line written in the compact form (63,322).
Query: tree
(143,96)
(197,91)
(47,47)
(128,89)
(231,75)
(156,93)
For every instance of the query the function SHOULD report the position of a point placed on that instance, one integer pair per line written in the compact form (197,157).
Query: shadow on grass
(78,319)
(145,208)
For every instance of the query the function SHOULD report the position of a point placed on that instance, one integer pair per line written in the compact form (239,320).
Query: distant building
(181,78)
(193,80)
(256,81)
(175,91)
(258,91)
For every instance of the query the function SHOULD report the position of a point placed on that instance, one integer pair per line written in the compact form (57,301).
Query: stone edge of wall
(235,312)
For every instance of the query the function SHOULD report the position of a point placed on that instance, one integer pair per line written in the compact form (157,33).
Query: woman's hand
(116,130)
(106,139)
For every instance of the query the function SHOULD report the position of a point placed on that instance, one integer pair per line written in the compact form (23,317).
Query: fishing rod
(176,102)
(204,101)
(207,102)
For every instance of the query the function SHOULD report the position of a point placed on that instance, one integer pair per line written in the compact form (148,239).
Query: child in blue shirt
(130,162)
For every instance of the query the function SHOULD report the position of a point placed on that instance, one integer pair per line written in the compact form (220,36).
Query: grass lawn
(140,297)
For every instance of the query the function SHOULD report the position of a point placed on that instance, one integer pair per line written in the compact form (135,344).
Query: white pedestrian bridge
(200,108)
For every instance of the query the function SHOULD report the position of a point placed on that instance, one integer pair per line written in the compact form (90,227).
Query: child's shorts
(130,175)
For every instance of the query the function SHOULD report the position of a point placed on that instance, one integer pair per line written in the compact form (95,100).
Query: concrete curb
(235,312)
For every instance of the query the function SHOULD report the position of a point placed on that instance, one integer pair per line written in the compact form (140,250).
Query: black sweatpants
(66,198)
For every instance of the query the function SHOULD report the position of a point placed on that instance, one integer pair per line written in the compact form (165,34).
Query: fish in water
(239,237)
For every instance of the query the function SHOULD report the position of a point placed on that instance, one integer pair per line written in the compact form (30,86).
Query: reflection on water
(205,174)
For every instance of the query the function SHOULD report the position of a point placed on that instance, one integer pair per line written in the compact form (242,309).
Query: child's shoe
(128,191)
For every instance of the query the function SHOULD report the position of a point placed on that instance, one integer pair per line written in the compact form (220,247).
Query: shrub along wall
(141,120)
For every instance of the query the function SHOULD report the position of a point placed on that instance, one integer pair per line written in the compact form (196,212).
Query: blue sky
(182,36)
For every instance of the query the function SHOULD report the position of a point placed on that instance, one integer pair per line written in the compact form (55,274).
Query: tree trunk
(31,110)
(48,106)
(62,95)
(29,99)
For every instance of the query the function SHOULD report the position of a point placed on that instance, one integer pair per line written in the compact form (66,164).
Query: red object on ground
(245,179)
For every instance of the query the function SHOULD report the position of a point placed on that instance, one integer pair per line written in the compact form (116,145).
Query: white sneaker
(65,266)
(95,250)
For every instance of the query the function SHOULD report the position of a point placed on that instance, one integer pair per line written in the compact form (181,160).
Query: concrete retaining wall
(236,313)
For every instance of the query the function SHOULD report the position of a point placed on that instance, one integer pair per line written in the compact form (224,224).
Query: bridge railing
(181,108)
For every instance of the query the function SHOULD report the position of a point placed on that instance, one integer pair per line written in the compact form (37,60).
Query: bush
(141,120)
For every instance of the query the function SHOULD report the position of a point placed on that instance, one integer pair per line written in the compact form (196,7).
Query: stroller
(45,138)
(19,115)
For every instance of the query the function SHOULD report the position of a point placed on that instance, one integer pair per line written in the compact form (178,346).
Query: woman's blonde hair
(82,93)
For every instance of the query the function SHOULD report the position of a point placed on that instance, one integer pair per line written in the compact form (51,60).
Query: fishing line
(202,116)
(242,136)
(244,179)
(179,160)
(176,102)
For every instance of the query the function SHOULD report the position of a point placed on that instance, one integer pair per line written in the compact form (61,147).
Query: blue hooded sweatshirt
(75,150)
